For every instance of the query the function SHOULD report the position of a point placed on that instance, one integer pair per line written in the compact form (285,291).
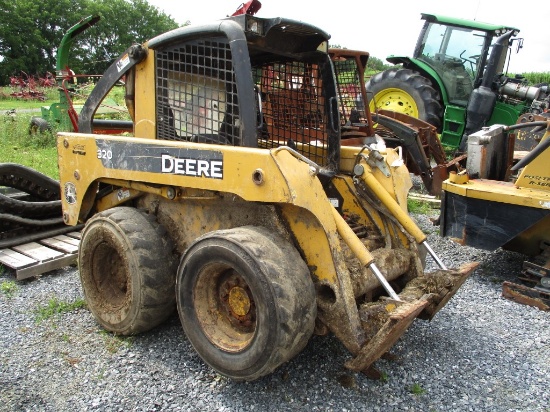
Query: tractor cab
(454,80)
(454,53)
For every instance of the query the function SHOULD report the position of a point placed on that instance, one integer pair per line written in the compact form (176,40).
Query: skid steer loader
(234,201)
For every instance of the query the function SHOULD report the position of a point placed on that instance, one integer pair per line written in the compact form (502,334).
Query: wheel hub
(239,303)
(236,302)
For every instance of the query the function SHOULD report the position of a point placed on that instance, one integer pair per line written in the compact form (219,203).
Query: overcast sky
(388,27)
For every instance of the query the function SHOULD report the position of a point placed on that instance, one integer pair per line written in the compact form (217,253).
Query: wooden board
(67,239)
(37,251)
(60,245)
(15,260)
(44,255)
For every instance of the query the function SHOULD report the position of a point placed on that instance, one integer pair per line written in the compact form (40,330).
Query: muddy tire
(38,125)
(127,270)
(406,91)
(246,301)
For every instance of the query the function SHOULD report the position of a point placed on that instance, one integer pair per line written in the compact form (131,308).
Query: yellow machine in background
(235,201)
(496,203)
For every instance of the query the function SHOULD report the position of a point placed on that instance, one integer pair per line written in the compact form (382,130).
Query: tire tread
(153,250)
(432,107)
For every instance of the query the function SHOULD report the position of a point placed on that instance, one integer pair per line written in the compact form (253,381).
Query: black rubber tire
(22,221)
(38,125)
(248,338)
(127,270)
(44,200)
(427,99)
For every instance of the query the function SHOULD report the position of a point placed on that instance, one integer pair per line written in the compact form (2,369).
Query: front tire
(127,270)
(406,91)
(246,301)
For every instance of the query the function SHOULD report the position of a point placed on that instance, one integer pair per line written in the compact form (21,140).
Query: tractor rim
(395,100)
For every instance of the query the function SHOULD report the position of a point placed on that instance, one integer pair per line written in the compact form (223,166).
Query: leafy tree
(31,31)
(123,23)
(376,65)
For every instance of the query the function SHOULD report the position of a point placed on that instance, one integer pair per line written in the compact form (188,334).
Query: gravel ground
(480,353)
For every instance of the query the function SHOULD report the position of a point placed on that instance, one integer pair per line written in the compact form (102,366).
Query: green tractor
(455,81)
(64,113)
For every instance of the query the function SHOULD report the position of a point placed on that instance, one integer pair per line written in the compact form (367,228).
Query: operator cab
(249,82)
(458,52)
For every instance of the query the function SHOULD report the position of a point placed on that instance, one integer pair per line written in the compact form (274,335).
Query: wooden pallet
(34,258)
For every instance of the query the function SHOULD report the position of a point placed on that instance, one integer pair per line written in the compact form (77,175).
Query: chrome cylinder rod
(384,282)
(434,256)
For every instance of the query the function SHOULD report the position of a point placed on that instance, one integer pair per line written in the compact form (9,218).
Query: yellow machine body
(233,199)
(505,204)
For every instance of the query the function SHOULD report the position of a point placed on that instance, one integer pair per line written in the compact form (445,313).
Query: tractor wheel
(406,91)
(127,270)
(246,301)
(38,125)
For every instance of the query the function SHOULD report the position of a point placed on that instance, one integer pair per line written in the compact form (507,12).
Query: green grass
(419,207)
(537,77)
(416,389)
(8,288)
(18,146)
(113,342)
(56,307)
(37,151)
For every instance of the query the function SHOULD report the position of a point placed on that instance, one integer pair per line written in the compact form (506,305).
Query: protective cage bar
(348,78)
(293,108)
(197,99)
(197,93)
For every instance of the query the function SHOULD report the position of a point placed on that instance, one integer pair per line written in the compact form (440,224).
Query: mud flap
(397,323)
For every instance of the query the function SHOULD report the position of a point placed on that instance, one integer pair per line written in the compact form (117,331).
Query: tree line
(30,32)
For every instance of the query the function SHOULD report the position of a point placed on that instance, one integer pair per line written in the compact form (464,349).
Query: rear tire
(406,91)
(38,125)
(127,270)
(246,301)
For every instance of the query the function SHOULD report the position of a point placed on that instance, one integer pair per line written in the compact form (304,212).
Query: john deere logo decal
(70,193)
